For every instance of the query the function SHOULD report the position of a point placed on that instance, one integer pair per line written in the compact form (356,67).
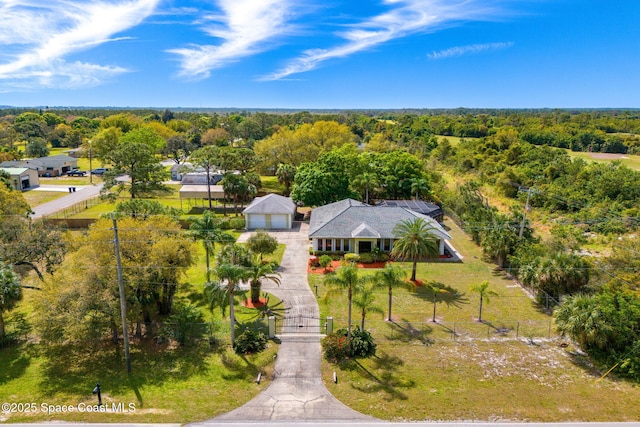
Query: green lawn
(35,198)
(629,160)
(511,368)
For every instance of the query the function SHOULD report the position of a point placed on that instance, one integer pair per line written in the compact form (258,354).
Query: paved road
(82,193)
(297,392)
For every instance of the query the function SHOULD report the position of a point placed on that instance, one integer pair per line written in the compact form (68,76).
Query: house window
(321,245)
(386,245)
(328,245)
(345,245)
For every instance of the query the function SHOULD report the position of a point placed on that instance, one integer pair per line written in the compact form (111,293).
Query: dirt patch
(247,303)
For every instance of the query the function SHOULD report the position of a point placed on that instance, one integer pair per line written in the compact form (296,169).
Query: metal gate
(300,324)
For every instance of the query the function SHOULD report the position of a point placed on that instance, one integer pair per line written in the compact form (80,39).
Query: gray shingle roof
(271,204)
(350,218)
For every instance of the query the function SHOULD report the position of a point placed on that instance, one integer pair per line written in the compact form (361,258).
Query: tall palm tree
(419,186)
(10,292)
(286,174)
(346,278)
(259,271)
(366,182)
(230,276)
(483,290)
(207,228)
(391,276)
(415,241)
(364,301)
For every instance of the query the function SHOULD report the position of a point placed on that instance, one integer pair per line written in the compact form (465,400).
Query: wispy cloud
(246,27)
(37,36)
(405,17)
(468,49)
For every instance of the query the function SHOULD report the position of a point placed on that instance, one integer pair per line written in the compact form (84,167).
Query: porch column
(441,246)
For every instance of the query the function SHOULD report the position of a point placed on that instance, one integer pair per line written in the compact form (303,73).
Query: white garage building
(270,212)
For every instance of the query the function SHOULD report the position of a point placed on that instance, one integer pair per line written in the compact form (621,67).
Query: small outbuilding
(23,178)
(270,212)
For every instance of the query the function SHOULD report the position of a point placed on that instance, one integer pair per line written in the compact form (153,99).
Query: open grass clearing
(35,198)
(510,368)
(630,160)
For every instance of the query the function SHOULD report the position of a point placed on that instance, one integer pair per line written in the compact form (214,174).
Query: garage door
(257,221)
(278,221)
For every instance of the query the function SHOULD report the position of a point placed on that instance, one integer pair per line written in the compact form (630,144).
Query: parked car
(99,171)
(76,172)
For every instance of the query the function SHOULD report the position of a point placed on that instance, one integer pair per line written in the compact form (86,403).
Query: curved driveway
(297,392)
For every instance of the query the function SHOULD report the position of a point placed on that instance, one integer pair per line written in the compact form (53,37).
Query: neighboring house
(179,170)
(352,226)
(46,166)
(270,212)
(420,206)
(200,178)
(23,178)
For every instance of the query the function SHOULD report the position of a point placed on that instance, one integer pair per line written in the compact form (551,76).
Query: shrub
(250,342)
(325,261)
(366,258)
(185,325)
(336,347)
(236,223)
(362,344)
(351,258)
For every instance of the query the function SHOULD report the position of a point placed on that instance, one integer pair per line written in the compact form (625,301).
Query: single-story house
(352,226)
(23,178)
(270,212)
(420,206)
(46,166)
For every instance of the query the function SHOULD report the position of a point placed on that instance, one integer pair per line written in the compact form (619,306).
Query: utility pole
(524,215)
(123,302)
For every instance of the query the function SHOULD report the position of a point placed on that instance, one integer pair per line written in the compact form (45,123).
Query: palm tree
(346,277)
(439,292)
(415,241)
(230,276)
(364,301)
(366,182)
(286,174)
(419,186)
(258,272)
(391,276)
(485,293)
(582,318)
(207,228)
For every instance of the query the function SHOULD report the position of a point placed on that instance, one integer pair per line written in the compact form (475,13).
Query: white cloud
(37,36)
(468,49)
(405,17)
(246,27)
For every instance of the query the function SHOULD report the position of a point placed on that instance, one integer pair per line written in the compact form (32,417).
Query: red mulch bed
(247,303)
(337,264)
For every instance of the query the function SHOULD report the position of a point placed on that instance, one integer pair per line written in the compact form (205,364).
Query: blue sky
(307,54)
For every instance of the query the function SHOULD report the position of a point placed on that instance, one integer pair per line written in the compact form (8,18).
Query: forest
(564,226)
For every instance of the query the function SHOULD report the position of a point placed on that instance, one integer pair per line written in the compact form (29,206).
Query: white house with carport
(22,178)
(352,226)
(269,212)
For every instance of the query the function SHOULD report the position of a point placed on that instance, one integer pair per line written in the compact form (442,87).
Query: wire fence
(76,208)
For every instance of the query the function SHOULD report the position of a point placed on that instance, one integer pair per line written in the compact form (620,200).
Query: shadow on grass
(385,379)
(73,369)
(406,332)
(14,361)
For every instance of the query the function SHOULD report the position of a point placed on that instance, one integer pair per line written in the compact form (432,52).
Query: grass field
(511,368)
(629,160)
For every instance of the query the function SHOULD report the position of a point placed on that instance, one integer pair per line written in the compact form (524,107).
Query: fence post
(488,331)
(454,331)
(272,327)
(329,324)
(517,329)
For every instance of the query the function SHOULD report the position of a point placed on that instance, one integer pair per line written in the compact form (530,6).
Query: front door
(364,247)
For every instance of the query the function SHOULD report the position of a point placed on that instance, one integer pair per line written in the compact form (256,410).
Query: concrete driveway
(297,392)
